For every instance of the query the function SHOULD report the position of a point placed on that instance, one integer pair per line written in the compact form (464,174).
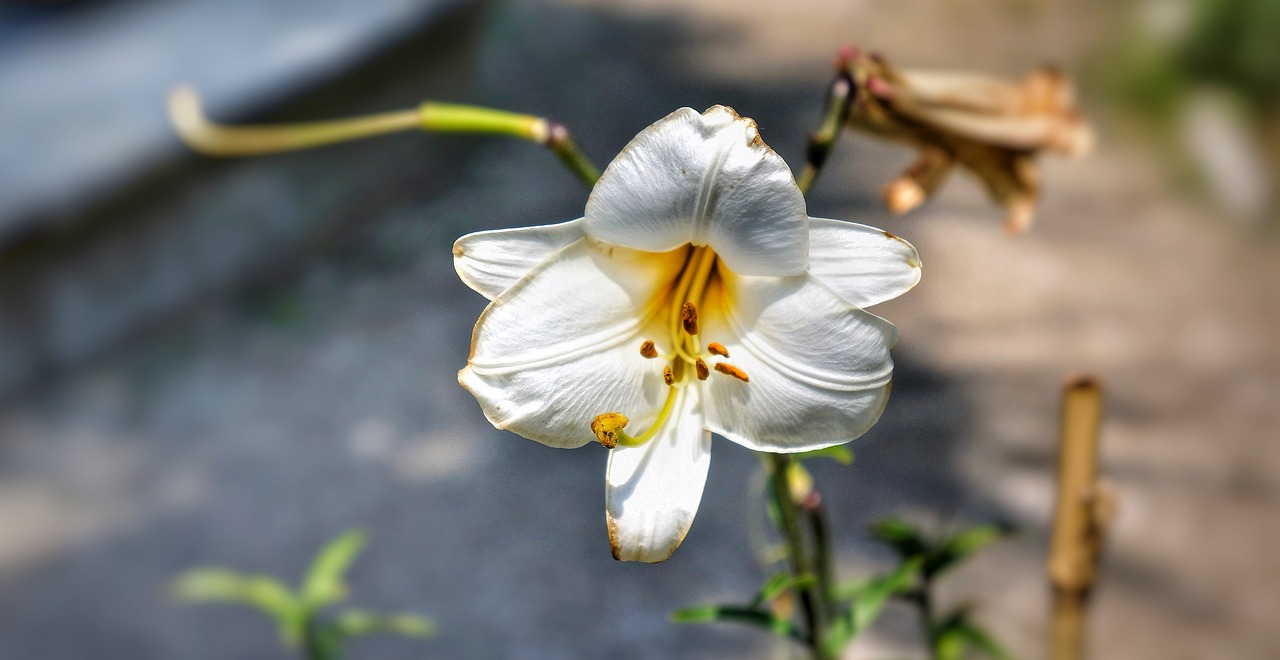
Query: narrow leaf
(866,601)
(902,536)
(839,453)
(355,623)
(957,548)
(736,614)
(216,585)
(957,633)
(324,582)
(778,585)
(870,601)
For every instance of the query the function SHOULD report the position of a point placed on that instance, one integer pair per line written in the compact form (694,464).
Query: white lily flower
(695,296)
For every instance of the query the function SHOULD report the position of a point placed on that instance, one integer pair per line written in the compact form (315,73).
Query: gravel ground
(321,395)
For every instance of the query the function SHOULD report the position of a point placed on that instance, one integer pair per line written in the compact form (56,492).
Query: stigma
(607,426)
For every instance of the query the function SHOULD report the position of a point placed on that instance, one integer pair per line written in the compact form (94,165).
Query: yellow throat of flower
(688,360)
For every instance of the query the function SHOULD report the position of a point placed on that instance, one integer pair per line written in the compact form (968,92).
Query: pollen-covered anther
(730,370)
(606,427)
(648,349)
(700,368)
(668,376)
(716,348)
(689,318)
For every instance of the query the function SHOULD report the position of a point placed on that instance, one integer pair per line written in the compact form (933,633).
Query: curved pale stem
(213,139)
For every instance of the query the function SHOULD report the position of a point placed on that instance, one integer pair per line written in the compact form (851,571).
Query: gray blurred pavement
(314,389)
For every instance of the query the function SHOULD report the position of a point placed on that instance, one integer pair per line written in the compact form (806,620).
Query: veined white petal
(705,179)
(652,491)
(819,367)
(562,345)
(863,264)
(491,261)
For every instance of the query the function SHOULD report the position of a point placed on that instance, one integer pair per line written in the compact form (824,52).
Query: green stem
(319,642)
(811,601)
(839,99)
(822,551)
(923,598)
(214,139)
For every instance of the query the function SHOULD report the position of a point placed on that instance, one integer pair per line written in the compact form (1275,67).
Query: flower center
(688,358)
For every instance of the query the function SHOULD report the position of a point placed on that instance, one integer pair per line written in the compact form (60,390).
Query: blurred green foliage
(299,615)
(922,559)
(1227,44)
(953,635)
(1234,44)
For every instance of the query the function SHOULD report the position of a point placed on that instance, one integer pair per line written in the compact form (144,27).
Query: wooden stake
(1083,509)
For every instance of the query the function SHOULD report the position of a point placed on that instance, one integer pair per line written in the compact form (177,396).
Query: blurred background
(227,362)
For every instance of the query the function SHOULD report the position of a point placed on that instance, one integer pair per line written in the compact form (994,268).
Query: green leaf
(867,601)
(261,592)
(960,546)
(778,585)
(948,646)
(902,536)
(324,582)
(839,453)
(957,633)
(750,616)
(871,599)
(217,585)
(940,556)
(355,623)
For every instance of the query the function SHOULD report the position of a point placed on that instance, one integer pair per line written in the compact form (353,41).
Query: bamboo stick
(1083,510)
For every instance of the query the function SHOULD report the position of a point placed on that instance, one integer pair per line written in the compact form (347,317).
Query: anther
(607,426)
(730,370)
(667,376)
(647,349)
(689,318)
(716,348)
(700,368)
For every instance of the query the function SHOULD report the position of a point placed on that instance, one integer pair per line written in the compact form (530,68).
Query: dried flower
(990,126)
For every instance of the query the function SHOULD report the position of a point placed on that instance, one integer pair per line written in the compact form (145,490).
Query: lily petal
(652,491)
(819,367)
(491,261)
(562,345)
(705,179)
(863,264)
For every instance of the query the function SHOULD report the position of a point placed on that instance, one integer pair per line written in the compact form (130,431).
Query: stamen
(700,368)
(716,348)
(608,426)
(648,349)
(667,376)
(730,370)
(689,318)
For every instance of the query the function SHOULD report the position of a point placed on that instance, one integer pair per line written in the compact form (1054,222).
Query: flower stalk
(811,573)
(213,139)
(840,95)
